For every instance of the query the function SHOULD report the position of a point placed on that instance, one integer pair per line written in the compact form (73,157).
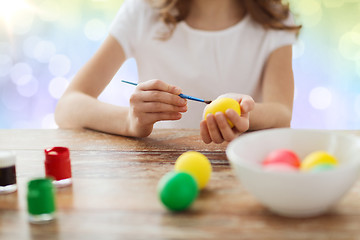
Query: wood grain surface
(114,196)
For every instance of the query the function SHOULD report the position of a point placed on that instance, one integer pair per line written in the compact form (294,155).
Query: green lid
(41,196)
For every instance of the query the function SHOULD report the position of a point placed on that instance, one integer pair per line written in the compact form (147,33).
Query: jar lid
(7,159)
(41,196)
(57,154)
(57,163)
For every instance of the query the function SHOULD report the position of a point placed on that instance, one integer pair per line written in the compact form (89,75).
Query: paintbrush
(180,95)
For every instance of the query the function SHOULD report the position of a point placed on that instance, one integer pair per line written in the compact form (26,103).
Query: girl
(204,48)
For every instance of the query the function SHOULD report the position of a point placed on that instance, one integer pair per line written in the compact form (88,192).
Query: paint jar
(7,172)
(58,166)
(41,200)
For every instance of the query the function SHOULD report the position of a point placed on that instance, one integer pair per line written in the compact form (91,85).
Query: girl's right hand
(153,101)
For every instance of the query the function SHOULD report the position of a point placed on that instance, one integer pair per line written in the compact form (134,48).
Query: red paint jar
(58,166)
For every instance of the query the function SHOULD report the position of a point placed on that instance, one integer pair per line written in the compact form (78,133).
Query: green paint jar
(41,200)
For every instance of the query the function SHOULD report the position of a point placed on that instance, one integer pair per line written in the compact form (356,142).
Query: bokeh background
(43,43)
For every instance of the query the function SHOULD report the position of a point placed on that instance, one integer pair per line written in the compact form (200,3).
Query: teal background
(43,43)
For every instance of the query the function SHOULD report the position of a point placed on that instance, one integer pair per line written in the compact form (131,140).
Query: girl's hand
(153,101)
(216,128)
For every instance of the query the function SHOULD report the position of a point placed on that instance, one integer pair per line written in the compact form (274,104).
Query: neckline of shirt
(230,29)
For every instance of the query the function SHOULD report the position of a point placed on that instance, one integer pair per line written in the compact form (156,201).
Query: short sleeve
(281,38)
(127,25)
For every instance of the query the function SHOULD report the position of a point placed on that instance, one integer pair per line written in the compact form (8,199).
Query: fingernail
(182,101)
(177,90)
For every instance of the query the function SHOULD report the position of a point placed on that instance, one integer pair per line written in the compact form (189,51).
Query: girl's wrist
(127,126)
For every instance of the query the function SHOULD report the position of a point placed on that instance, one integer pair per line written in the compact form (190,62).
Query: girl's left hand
(216,128)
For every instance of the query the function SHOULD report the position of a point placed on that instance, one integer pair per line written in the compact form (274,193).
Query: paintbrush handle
(180,95)
(191,98)
(132,83)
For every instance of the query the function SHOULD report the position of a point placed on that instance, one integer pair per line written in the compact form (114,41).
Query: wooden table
(114,193)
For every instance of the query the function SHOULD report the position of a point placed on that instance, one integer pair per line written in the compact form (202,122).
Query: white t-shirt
(204,64)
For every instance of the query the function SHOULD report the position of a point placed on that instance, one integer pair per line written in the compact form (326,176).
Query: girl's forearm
(78,110)
(270,115)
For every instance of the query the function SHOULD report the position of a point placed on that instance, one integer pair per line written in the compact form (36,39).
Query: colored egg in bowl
(296,193)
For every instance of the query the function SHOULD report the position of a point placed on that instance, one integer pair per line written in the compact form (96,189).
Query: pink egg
(282,156)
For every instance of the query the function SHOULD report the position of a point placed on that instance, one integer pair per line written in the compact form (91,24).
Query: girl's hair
(268,13)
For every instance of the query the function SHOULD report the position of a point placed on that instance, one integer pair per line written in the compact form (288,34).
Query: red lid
(57,163)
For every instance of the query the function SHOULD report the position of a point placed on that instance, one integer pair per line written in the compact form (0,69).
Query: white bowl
(295,194)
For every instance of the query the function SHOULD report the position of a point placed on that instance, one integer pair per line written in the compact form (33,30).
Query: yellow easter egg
(221,105)
(318,158)
(196,164)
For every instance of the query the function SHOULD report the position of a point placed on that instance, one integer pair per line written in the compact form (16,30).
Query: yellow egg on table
(318,158)
(221,105)
(196,164)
